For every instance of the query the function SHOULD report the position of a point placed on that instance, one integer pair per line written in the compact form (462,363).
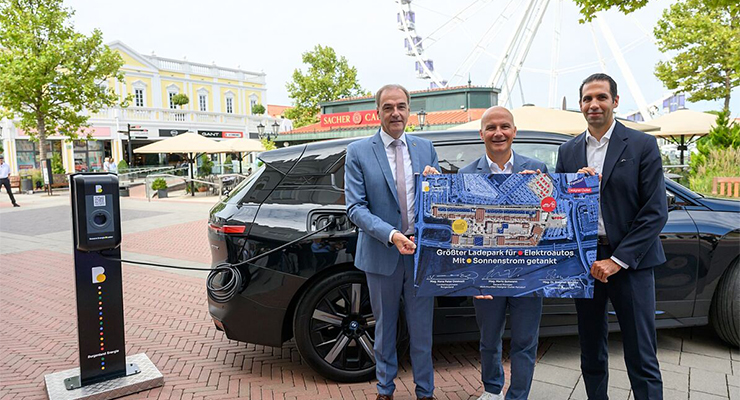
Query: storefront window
(28,152)
(89,155)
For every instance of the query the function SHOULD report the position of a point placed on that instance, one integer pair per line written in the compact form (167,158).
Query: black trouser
(632,294)
(5,182)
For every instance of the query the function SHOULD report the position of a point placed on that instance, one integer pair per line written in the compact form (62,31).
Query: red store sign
(368,117)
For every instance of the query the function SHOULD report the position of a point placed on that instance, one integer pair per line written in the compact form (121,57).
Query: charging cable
(225,291)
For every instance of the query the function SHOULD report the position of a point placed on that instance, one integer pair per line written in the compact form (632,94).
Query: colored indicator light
(101,318)
(101,328)
(100,303)
(102,363)
(101,349)
(101,313)
(100,308)
(99,287)
(100,297)
(101,333)
(102,358)
(100,292)
(101,323)
(101,339)
(102,367)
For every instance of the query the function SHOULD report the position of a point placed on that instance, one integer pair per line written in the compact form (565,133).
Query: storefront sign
(233,135)
(368,117)
(221,134)
(171,132)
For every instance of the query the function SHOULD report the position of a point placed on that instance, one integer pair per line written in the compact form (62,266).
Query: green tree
(258,109)
(707,44)
(328,78)
(50,74)
(180,99)
(589,8)
(724,135)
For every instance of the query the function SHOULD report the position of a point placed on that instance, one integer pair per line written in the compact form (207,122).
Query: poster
(506,235)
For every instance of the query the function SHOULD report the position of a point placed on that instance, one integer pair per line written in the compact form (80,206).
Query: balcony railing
(185,117)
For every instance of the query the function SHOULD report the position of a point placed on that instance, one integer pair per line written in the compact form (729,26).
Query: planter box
(162,193)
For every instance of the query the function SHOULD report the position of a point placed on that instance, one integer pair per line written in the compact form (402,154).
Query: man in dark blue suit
(498,132)
(633,211)
(379,189)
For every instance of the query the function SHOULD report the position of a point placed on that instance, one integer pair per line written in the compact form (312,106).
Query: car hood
(716,204)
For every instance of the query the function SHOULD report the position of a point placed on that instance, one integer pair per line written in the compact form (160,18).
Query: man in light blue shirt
(5,179)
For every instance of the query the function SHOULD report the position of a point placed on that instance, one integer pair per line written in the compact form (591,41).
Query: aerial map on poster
(506,235)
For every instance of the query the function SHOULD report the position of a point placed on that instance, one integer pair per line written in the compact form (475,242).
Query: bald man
(498,132)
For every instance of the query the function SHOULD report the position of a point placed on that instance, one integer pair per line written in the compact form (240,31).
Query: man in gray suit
(379,191)
(498,132)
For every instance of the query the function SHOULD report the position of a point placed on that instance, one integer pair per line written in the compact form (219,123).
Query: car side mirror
(671,200)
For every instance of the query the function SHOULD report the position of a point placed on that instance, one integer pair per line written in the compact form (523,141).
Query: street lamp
(268,135)
(422,116)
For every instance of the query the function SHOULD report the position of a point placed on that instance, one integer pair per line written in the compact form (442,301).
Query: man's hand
(429,170)
(588,171)
(602,269)
(404,245)
(530,172)
(484,297)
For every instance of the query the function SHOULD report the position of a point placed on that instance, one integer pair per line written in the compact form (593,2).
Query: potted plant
(160,185)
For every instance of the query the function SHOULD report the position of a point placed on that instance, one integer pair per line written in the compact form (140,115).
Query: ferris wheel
(507,30)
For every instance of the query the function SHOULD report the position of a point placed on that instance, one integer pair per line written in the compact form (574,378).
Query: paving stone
(619,379)
(707,363)
(561,356)
(734,392)
(711,348)
(556,375)
(733,380)
(707,381)
(735,368)
(666,356)
(675,380)
(681,369)
(547,391)
(670,394)
(668,339)
(735,353)
(579,393)
(705,396)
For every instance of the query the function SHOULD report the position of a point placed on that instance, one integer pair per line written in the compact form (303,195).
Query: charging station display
(97,227)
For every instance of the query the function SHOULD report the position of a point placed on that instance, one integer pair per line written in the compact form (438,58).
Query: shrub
(56,164)
(122,166)
(258,109)
(159,184)
(717,163)
(206,165)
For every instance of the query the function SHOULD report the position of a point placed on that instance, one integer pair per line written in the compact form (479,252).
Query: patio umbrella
(683,127)
(189,143)
(241,146)
(532,118)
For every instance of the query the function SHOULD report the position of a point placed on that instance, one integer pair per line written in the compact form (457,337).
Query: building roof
(276,110)
(413,92)
(433,118)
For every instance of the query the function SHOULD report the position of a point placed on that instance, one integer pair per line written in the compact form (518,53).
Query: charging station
(104,372)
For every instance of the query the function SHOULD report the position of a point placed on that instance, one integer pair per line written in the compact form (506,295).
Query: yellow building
(220,107)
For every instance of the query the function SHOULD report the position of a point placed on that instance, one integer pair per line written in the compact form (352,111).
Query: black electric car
(310,290)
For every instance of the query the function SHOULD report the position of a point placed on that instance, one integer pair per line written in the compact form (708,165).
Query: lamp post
(268,135)
(422,116)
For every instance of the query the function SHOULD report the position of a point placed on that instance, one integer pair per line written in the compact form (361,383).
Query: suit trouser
(524,317)
(5,182)
(632,294)
(385,298)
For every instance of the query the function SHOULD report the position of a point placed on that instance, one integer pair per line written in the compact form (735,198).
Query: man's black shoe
(16,205)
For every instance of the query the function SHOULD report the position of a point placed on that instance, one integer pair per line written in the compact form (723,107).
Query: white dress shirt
(508,166)
(595,155)
(390,152)
(4,170)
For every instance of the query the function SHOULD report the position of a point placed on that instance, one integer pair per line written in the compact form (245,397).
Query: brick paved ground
(167,318)
(188,241)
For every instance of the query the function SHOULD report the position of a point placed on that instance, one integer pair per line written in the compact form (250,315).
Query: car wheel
(725,312)
(335,328)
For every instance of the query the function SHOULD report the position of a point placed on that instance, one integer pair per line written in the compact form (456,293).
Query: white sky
(270,36)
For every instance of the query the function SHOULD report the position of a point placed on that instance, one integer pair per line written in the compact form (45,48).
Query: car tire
(725,310)
(335,330)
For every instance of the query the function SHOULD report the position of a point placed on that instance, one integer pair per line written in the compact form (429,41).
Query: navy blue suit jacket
(520,163)
(633,195)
